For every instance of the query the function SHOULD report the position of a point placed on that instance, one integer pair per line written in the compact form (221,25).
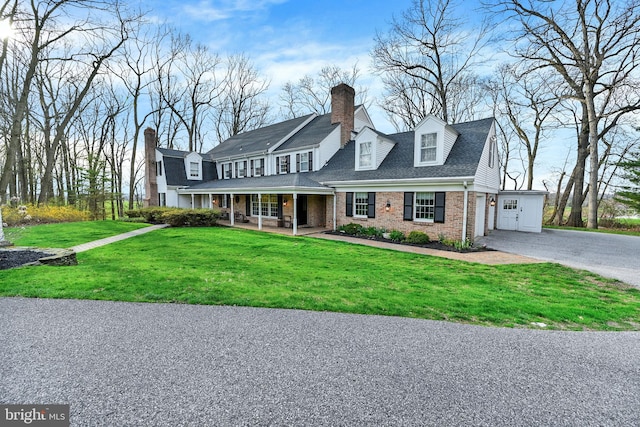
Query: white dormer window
(257,167)
(241,169)
(365,154)
(194,169)
(428,147)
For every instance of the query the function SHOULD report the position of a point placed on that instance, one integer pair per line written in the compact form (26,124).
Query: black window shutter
(349,204)
(298,162)
(250,169)
(277,165)
(371,206)
(288,162)
(408,207)
(236,167)
(280,206)
(247,207)
(438,214)
(310,161)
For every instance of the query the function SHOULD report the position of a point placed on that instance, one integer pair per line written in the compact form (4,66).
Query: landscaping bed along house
(414,238)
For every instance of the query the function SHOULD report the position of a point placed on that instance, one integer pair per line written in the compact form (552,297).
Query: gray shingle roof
(286,181)
(462,160)
(256,141)
(311,135)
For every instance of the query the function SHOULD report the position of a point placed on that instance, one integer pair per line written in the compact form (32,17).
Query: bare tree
(313,94)
(242,107)
(528,102)
(191,95)
(426,60)
(593,45)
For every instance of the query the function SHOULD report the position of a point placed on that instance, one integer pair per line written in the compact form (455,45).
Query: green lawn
(66,235)
(240,267)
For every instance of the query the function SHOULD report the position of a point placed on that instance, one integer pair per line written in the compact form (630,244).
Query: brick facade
(393,219)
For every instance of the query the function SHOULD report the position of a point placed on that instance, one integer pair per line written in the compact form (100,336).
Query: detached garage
(520,210)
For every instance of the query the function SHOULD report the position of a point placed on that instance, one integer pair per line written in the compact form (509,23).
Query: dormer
(433,141)
(193,166)
(371,149)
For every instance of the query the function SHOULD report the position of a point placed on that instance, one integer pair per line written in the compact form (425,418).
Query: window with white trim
(361,204)
(510,204)
(162,199)
(304,162)
(241,169)
(428,147)
(425,204)
(194,169)
(282,164)
(258,167)
(269,206)
(226,170)
(365,154)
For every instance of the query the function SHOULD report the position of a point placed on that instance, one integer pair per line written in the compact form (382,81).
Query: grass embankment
(239,267)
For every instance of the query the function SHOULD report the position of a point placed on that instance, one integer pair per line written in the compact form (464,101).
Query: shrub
(44,214)
(190,217)
(417,237)
(462,244)
(352,229)
(397,236)
(152,215)
(373,232)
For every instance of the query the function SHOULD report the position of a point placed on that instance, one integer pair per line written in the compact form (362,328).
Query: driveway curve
(609,255)
(130,364)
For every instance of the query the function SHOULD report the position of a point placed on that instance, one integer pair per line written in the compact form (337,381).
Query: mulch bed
(431,245)
(16,258)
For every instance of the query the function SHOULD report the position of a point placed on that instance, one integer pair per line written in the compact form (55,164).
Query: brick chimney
(151,197)
(342,105)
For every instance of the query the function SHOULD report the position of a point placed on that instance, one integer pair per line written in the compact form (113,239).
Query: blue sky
(287,39)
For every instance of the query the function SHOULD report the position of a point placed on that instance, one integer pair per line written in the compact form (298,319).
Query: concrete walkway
(482,257)
(102,242)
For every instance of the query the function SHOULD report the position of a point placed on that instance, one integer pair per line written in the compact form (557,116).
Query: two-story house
(329,170)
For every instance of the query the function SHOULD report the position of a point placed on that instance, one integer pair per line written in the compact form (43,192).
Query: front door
(301,211)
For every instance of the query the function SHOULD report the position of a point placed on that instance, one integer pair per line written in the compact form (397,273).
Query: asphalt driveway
(610,255)
(126,364)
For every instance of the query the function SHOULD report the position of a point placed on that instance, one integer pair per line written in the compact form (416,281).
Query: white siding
(487,178)
(383,148)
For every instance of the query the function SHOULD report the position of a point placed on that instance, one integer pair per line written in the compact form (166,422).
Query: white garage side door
(508,214)
(481,202)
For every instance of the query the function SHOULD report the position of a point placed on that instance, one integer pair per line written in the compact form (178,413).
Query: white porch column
(335,212)
(232,216)
(193,201)
(211,200)
(295,214)
(259,211)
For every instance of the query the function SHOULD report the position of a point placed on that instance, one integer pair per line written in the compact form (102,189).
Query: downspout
(295,214)
(465,210)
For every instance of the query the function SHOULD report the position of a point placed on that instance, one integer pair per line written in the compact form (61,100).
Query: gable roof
(462,161)
(258,140)
(311,135)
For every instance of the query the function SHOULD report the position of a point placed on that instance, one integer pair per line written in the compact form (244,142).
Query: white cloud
(210,11)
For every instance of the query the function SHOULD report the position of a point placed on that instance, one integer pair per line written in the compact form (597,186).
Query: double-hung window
(425,206)
(194,169)
(282,164)
(304,162)
(226,170)
(361,204)
(365,154)
(258,167)
(241,169)
(428,147)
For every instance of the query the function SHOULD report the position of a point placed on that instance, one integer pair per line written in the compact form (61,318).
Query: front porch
(301,231)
